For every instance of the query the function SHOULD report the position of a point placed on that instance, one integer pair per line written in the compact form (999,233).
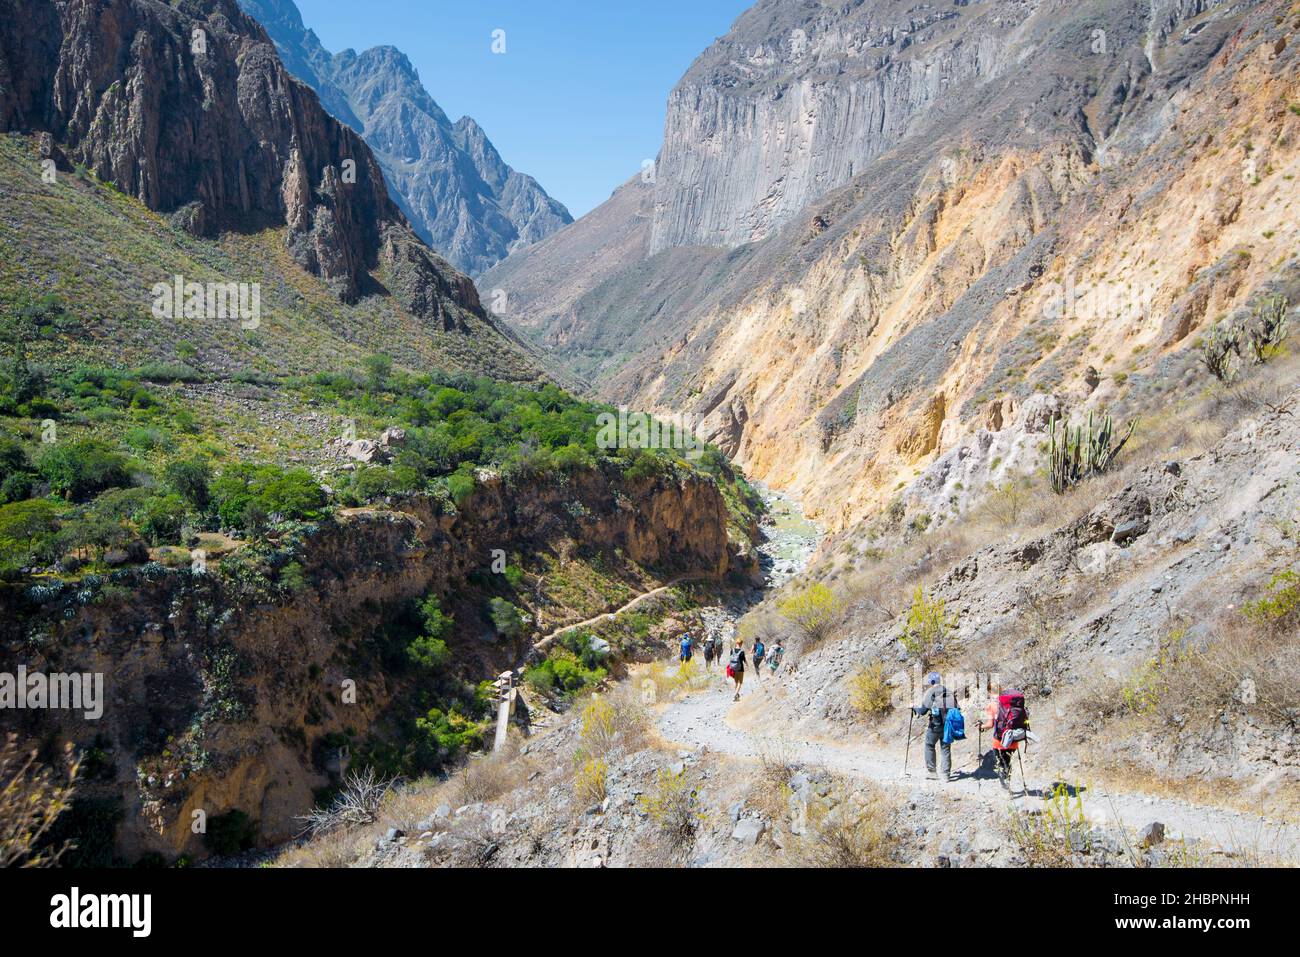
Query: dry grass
(32,796)
(862,830)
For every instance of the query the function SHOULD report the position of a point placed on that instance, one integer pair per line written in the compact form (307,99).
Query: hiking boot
(931,776)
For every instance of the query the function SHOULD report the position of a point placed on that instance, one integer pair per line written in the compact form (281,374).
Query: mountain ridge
(448,178)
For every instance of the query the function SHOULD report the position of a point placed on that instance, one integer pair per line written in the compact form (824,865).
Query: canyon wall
(221,695)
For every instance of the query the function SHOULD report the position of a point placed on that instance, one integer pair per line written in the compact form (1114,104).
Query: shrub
(869,690)
(1055,837)
(160,519)
(927,628)
(562,672)
(1267,328)
(356,804)
(443,735)
(589,781)
(672,806)
(506,618)
(859,832)
(813,610)
(27,532)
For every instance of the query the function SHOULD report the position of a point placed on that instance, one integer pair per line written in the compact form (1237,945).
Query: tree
(255,520)
(81,470)
(812,610)
(26,530)
(505,618)
(378,368)
(191,480)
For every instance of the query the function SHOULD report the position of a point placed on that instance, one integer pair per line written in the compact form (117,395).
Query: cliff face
(219,698)
(1059,216)
(448,177)
(188,109)
(800,97)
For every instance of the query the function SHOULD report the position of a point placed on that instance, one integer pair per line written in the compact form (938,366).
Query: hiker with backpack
(685,655)
(774,659)
(736,667)
(710,646)
(759,653)
(1008,719)
(944,725)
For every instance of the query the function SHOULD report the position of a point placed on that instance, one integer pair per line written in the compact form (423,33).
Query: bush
(81,470)
(812,610)
(589,781)
(927,629)
(289,493)
(160,519)
(442,735)
(672,806)
(564,673)
(32,797)
(869,690)
(506,618)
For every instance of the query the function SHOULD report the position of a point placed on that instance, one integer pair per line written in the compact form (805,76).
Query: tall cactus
(1077,454)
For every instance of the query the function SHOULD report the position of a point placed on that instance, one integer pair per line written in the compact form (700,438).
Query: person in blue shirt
(686,648)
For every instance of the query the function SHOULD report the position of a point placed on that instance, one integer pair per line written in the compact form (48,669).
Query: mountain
(448,178)
(188,111)
(258,443)
(876,228)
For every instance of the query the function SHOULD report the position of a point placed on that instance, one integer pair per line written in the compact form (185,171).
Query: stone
(1126,532)
(748,831)
(1151,835)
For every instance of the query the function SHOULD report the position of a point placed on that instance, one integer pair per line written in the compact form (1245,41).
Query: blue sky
(577,100)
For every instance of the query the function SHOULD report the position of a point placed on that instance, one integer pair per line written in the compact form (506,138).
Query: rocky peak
(458,193)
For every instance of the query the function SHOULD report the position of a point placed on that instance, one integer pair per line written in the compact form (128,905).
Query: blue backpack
(954,726)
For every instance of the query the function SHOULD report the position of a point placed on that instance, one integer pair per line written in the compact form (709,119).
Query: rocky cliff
(224,695)
(458,193)
(1045,197)
(188,109)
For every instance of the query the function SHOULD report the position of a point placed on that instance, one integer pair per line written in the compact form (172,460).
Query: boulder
(748,831)
(1151,835)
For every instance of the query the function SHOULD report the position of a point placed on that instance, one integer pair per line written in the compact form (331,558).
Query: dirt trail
(544,642)
(709,719)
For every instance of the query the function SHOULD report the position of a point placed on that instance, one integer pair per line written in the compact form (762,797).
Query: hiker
(710,646)
(1006,717)
(774,659)
(736,667)
(760,652)
(685,655)
(935,703)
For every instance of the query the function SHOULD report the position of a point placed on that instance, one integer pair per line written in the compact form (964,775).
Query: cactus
(1268,328)
(1218,349)
(1077,454)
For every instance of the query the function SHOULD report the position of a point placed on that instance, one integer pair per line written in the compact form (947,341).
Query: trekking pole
(1024,785)
(911,715)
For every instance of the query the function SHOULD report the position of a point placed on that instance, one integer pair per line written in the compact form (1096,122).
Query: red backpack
(1011,714)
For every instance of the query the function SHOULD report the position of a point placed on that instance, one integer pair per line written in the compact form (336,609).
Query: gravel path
(708,719)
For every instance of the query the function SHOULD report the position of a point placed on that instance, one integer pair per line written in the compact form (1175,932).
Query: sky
(576,100)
